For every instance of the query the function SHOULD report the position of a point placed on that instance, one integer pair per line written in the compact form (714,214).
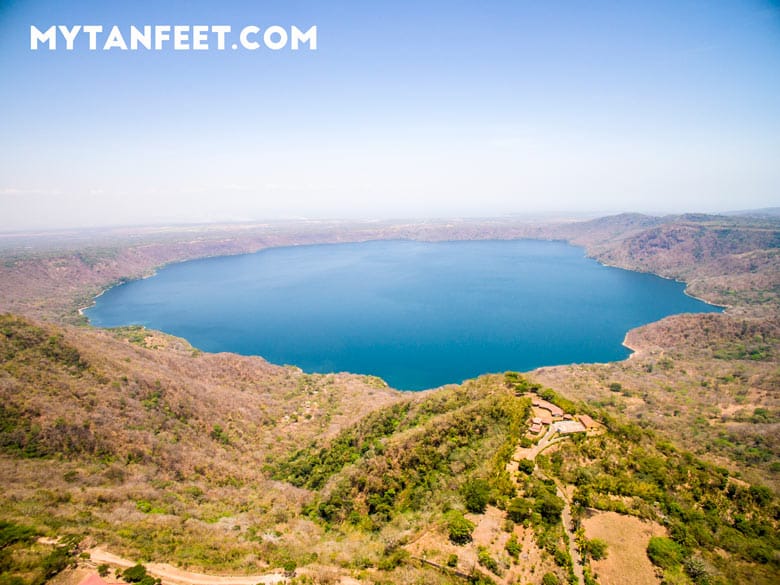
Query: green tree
(550,579)
(219,434)
(484,559)
(476,493)
(526,466)
(561,557)
(550,507)
(519,509)
(134,574)
(56,561)
(460,528)
(289,566)
(513,547)
(697,569)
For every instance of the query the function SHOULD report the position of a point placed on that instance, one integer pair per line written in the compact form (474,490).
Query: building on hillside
(536,425)
(93,579)
(555,411)
(568,427)
(587,421)
(543,415)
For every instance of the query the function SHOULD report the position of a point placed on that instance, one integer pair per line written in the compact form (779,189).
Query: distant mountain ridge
(763,212)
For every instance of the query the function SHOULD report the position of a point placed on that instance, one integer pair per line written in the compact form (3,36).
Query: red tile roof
(93,579)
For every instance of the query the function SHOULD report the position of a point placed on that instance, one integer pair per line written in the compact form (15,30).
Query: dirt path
(546,441)
(576,561)
(543,443)
(171,575)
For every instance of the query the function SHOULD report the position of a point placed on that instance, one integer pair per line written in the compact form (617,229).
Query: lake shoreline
(518,243)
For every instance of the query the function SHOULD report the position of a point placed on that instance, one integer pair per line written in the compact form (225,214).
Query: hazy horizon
(540,218)
(405,110)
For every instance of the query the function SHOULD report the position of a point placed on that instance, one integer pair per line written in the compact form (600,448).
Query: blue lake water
(419,315)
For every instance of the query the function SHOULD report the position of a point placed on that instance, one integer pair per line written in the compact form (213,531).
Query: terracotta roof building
(93,579)
(554,410)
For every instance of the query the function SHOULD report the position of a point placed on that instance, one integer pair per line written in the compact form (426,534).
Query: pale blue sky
(406,109)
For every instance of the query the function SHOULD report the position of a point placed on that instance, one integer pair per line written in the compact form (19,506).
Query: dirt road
(171,575)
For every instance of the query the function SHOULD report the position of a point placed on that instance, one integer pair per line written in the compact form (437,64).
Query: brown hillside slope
(734,262)
(85,391)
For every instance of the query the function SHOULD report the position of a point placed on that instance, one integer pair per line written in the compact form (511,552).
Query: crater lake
(416,314)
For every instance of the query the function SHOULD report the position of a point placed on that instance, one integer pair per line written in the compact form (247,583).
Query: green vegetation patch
(135,334)
(22,343)
(22,436)
(23,561)
(410,455)
(664,552)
